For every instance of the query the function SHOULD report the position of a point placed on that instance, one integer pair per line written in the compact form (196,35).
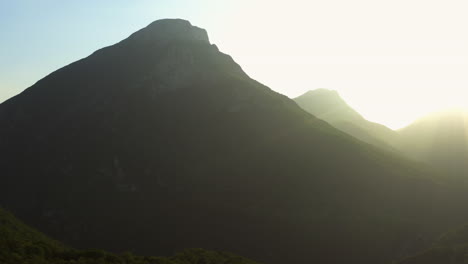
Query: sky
(392,61)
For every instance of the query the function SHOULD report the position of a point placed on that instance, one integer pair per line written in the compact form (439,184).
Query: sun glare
(393,71)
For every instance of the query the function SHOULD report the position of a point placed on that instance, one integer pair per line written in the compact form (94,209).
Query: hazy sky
(393,61)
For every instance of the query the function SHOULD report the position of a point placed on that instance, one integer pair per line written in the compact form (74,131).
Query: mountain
(451,248)
(440,139)
(329,106)
(161,142)
(21,244)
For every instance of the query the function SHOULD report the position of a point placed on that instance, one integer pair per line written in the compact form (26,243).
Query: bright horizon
(393,62)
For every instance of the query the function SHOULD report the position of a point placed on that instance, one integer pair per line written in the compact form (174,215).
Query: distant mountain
(329,106)
(440,139)
(21,244)
(161,142)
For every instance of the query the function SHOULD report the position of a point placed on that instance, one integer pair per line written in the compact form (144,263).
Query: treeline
(21,244)
(37,255)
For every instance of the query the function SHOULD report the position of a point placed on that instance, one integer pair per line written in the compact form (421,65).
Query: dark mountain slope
(161,142)
(451,248)
(440,139)
(329,106)
(20,244)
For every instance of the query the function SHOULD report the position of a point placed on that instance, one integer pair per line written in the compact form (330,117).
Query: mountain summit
(328,105)
(172,29)
(162,142)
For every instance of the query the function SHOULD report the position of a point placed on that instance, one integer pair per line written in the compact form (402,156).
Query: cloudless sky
(393,61)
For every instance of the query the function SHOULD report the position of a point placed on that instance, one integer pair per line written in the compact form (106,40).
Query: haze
(393,61)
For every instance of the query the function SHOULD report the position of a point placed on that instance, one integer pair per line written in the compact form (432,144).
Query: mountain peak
(324,97)
(322,91)
(172,29)
(327,105)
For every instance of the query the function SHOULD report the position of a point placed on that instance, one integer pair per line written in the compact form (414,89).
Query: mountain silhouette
(161,142)
(330,107)
(441,140)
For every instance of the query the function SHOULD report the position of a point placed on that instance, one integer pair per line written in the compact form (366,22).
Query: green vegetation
(20,244)
(70,256)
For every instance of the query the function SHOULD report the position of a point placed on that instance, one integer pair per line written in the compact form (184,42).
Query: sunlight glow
(393,61)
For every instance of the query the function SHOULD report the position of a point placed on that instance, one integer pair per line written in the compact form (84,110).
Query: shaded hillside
(161,142)
(329,106)
(20,244)
(451,248)
(440,139)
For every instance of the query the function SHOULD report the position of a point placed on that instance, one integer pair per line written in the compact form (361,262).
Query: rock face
(161,142)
